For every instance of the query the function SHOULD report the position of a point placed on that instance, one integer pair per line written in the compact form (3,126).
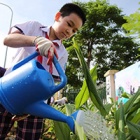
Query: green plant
(122,119)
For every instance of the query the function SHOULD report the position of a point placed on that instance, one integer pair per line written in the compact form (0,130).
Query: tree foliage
(102,38)
(133,23)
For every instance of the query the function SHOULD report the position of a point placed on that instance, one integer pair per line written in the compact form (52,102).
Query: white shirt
(33,28)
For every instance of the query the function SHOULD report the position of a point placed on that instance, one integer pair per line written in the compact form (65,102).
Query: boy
(29,37)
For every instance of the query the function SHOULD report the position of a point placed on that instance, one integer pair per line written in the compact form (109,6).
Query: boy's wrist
(34,41)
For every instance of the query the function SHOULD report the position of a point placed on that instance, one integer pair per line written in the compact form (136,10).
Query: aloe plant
(88,85)
(123,119)
(126,117)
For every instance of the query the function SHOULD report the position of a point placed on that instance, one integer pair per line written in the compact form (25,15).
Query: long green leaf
(91,87)
(62,130)
(83,95)
(128,105)
(134,128)
(70,108)
(80,132)
(121,134)
(117,116)
(136,118)
(133,111)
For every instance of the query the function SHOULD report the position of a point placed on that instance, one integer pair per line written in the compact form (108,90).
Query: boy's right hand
(46,48)
(43,45)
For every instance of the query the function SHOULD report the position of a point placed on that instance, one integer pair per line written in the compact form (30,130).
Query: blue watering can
(24,90)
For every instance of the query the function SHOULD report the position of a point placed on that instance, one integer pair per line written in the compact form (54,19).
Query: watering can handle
(56,64)
(61,74)
(22,62)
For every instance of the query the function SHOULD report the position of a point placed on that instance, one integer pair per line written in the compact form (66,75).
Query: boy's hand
(46,48)
(43,45)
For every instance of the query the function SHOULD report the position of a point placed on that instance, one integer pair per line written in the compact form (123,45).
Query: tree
(133,24)
(73,69)
(103,39)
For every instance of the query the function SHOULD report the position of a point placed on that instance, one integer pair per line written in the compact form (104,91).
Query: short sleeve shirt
(33,28)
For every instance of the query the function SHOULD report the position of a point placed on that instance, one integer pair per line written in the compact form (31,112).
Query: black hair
(69,8)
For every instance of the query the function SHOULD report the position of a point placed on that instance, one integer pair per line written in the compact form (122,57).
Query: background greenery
(103,44)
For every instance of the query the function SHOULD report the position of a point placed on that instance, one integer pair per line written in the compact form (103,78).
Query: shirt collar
(47,30)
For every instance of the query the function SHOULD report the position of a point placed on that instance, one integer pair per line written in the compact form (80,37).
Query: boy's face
(65,27)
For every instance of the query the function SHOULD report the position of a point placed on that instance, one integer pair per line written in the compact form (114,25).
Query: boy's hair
(69,8)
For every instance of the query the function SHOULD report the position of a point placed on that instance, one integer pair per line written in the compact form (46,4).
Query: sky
(12,12)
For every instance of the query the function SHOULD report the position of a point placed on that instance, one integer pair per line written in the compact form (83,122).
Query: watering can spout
(46,111)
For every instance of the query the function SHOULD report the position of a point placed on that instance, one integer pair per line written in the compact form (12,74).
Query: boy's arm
(17,39)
